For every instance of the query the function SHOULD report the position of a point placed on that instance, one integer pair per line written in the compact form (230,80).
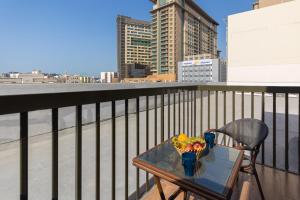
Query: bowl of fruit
(182,143)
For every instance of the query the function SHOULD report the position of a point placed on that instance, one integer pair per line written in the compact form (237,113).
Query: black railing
(192,108)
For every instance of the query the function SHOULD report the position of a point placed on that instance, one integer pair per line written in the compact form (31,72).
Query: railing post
(54,154)
(126,148)
(113,140)
(287,131)
(147,138)
(137,146)
(98,151)
(162,118)
(274,130)
(263,119)
(24,156)
(155,120)
(78,150)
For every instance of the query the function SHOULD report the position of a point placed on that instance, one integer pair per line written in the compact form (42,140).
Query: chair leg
(258,184)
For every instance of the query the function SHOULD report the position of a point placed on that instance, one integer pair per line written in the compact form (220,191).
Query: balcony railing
(136,115)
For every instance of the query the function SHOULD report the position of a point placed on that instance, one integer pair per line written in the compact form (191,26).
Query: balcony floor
(276,185)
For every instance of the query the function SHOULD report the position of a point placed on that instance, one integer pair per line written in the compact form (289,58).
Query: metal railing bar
(98,158)
(224,100)
(162,118)
(298,133)
(113,140)
(65,99)
(274,130)
(217,110)
(24,156)
(179,111)
(169,117)
(286,131)
(174,114)
(55,154)
(147,138)
(126,148)
(252,105)
(188,114)
(195,113)
(201,112)
(243,104)
(263,119)
(155,120)
(208,109)
(78,150)
(183,111)
(138,145)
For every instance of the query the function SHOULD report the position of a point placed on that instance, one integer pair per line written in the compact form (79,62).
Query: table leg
(161,192)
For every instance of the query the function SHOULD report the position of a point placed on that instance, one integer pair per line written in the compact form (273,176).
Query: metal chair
(250,133)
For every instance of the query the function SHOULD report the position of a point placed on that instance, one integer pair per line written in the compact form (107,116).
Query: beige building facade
(265,3)
(134,43)
(180,28)
(264,44)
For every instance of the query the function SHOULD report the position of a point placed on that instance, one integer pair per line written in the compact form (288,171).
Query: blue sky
(78,36)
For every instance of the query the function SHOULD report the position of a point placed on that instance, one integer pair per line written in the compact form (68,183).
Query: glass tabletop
(212,172)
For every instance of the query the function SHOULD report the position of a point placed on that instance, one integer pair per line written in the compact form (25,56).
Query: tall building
(134,40)
(180,28)
(263,44)
(265,3)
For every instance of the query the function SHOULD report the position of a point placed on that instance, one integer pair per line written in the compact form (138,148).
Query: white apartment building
(206,70)
(264,44)
(109,77)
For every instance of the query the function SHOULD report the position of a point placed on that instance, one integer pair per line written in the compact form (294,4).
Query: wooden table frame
(187,186)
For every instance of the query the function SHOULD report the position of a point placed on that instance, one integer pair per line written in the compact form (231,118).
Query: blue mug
(210,139)
(189,162)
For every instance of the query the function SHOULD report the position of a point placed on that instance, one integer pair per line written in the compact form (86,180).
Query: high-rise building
(180,28)
(265,3)
(134,43)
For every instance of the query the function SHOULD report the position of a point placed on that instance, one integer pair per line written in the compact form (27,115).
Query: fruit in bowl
(183,143)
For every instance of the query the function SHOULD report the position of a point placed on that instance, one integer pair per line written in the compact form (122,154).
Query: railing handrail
(22,102)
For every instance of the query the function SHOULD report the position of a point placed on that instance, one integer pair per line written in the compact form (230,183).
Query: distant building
(33,77)
(134,43)
(153,78)
(208,70)
(265,3)
(136,70)
(264,44)
(109,77)
(180,28)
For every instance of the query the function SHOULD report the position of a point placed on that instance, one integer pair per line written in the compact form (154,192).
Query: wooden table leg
(161,192)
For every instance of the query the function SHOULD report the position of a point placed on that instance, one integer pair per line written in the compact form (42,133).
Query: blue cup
(209,139)
(189,162)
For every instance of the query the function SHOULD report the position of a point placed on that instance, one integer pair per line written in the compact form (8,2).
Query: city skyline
(78,37)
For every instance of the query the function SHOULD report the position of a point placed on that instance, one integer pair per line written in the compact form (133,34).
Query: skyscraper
(180,28)
(134,40)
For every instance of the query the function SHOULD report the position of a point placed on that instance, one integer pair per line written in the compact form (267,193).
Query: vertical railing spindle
(126,148)
(54,154)
(78,148)
(179,111)
(224,100)
(252,105)
(24,156)
(263,119)
(195,113)
(147,138)
(201,112)
(113,140)
(137,146)
(169,113)
(155,120)
(162,116)
(174,114)
(184,111)
(188,114)
(208,109)
(286,131)
(274,130)
(98,151)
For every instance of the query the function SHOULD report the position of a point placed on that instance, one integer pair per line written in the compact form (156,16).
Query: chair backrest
(251,132)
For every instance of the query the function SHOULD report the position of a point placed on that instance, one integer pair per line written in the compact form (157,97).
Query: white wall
(264,44)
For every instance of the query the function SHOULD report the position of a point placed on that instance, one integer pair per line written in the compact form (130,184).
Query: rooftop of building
(194,5)
(133,21)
